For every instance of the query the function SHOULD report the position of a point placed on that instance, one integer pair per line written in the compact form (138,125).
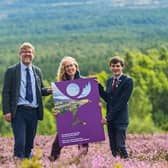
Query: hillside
(20,19)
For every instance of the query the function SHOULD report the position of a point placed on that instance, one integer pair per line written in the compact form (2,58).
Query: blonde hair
(61,74)
(26,45)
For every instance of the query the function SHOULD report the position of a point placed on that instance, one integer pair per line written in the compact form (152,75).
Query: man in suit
(22,100)
(118,91)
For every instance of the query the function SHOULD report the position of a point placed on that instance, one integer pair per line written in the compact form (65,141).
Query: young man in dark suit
(118,91)
(22,100)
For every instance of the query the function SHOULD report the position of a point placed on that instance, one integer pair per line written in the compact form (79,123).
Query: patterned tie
(114,84)
(29,92)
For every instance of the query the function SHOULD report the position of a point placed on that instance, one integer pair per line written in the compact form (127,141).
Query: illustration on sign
(77,102)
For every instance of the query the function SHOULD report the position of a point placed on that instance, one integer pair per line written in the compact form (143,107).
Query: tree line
(148,105)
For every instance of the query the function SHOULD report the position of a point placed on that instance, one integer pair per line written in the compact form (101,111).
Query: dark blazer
(11,86)
(117,100)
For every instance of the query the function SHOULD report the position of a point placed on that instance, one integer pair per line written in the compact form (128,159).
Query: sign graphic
(79,118)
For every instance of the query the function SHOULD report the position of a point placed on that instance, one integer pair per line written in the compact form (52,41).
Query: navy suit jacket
(11,86)
(117,100)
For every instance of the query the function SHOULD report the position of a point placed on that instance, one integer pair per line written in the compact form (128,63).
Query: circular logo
(72,89)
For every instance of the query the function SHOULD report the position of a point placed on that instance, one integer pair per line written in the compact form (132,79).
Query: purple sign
(79,118)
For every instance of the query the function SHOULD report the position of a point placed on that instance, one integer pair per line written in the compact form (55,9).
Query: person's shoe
(123,154)
(29,156)
(83,150)
(17,160)
(114,153)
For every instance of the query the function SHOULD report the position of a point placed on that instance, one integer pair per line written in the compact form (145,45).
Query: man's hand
(49,90)
(8,117)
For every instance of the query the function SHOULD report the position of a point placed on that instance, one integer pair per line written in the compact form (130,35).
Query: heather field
(146,151)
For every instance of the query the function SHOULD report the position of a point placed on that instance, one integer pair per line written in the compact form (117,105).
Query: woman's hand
(104,121)
(56,112)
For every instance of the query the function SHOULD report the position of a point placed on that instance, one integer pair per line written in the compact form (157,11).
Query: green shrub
(34,162)
(142,125)
(5,127)
(47,126)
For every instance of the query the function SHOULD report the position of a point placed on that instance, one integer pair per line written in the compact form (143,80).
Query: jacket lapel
(110,84)
(37,83)
(121,80)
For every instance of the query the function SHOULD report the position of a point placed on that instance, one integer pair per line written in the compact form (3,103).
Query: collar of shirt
(23,67)
(118,77)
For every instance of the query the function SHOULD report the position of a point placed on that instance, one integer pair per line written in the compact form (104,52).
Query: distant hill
(22,17)
(83,28)
(113,3)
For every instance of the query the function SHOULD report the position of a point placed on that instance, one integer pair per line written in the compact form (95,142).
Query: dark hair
(115,60)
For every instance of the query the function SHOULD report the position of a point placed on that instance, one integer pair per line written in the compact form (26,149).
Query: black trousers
(117,137)
(56,148)
(24,127)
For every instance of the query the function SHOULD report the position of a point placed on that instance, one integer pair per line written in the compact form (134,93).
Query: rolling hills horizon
(20,18)
(111,3)
(73,27)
